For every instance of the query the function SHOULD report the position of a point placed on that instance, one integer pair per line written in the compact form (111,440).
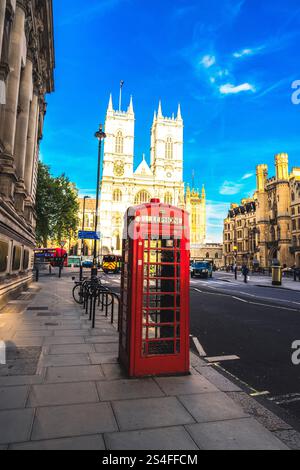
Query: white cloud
(247,176)
(229,188)
(229,89)
(208,61)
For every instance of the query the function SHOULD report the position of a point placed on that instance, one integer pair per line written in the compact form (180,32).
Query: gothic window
(168,198)
(119,142)
(217,256)
(169,149)
(142,197)
(293,196)
(207,255)
(117,195)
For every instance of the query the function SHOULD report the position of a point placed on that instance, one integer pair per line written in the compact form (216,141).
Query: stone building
(267,228)
(209,251)
(122,186)
(26,75)
(240,234)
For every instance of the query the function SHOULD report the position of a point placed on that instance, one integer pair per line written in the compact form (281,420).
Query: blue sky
(230,63)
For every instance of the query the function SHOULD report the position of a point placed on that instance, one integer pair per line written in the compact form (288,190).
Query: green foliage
(56,207)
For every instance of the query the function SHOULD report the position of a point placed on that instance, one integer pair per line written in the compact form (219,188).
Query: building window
(217,256)
(119,142)
(293,196)
(293,224)
(168,198)
(207,255)
(117,195)
(3,256)
(142,197)
(169,149)
(25,260)
(16,261)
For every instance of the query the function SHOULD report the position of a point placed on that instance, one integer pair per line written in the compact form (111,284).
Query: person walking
(235,269)
(245,272)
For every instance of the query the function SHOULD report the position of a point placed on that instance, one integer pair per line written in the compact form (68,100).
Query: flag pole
(120,100)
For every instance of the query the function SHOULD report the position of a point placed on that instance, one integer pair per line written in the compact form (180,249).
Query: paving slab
(65,360)
(73,443)
(103,358)
(13,397)
(29,342)
(265,417)
(32,334)
(64,340)
(20,380)
(113,371)
(62,394)
(73,420)
(185,385)
(107,348)
(80,333)
(15,425)
(73,374)
(237,434)
(101,339)
(128,389)
(150,413)
(174,438)
(216,378)
(58,349)
(212,407)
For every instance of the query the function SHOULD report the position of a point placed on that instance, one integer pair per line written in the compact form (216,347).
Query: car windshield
(201,265)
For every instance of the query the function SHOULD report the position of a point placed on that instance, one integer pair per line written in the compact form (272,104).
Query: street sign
(88,235)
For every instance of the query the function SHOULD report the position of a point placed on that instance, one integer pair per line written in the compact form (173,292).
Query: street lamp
(100,135)
(83,223)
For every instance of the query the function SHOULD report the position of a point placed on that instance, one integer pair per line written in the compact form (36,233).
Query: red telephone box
(154,316)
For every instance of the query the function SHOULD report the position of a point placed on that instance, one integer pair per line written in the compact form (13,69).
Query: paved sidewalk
(264,281)
(62,388)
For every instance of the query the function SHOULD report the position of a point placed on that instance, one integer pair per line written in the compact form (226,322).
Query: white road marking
(199,347)
(259,394)
(286,399)
(228,294)
(241,300)
(222,358)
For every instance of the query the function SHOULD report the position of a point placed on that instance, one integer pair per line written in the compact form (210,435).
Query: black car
(202,269)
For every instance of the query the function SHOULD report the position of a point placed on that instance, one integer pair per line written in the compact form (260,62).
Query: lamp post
(83,222)
(100,135)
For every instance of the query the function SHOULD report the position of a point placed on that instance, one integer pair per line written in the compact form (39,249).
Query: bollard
(80,273)
(36,274)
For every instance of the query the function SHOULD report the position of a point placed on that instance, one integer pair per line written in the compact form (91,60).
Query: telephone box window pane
(161,316)
(157,348)
(177,347)
(163,332)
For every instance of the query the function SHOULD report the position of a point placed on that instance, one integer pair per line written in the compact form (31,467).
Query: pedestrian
(245,272)
(235,271)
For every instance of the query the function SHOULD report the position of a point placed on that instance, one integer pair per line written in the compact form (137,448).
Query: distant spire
(154,118)
(193,179)
(144,157)
(110,104)
(130,107)
(203,192)
(179,117)
(159,113)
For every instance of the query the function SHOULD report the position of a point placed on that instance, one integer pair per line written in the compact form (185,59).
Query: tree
(56,207)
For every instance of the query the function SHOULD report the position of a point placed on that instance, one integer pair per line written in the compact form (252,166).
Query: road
(257,325)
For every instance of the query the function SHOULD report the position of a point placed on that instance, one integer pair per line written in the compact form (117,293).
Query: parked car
(87,263)
(202,269)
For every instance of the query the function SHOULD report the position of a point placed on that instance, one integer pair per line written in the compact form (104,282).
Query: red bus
(54,256)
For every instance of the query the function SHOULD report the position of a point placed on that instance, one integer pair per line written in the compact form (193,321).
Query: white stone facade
(121,186)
